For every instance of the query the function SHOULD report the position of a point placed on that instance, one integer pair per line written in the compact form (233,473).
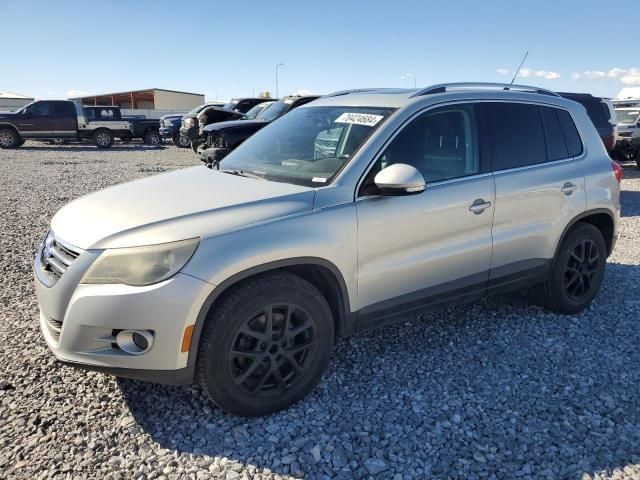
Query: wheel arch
(10,126)
(601,218)
(321,273)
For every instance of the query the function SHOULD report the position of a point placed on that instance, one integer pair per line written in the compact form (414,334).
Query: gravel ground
(499,389)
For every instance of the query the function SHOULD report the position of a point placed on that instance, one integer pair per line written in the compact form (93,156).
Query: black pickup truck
(143,128)
(221,138)
(60,119)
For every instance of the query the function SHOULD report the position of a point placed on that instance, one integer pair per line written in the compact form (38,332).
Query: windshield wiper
(242,173)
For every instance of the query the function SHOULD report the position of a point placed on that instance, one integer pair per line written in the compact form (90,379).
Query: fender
(579,217)
(345,324)
(11,126)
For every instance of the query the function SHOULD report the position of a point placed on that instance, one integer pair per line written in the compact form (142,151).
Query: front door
(432,247)
(37,120)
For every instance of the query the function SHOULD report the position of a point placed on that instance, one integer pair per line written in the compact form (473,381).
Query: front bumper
(78,322)
(166,132)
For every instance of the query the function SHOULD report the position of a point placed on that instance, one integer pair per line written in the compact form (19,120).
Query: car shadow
(630,203)
(501,385)
(79,148)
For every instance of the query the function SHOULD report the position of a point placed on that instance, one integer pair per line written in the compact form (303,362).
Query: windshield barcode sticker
(359,118)
(319,180)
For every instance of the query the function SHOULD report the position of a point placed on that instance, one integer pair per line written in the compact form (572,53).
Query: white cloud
(503,71)
(76,93)
(548,74)
(575,75)
(628,76)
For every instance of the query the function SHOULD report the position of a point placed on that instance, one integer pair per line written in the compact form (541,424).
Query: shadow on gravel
(630,203)
(114,148)
(499,387)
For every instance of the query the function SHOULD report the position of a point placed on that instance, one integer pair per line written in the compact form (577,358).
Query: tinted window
(518,135)
(62,109)
(570,132)
(41,109)
(597,111)
(441,144)
(556,144)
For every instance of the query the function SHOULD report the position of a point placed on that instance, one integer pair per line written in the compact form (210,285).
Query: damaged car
(219,139)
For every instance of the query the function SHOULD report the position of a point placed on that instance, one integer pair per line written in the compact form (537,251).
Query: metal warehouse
(153,101)
(13,101)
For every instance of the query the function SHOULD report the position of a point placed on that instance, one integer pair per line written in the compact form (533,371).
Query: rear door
(536,153)
(64,119)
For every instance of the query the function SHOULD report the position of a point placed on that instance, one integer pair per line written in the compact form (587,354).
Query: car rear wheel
(152,138)
(181,141)
(9,138)
(103,138)
(577,272)
(266,345)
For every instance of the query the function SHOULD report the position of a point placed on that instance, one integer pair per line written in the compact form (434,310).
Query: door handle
(479,206)
(568,188)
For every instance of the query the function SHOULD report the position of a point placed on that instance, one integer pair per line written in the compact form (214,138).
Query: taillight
(617,171)
(609,142)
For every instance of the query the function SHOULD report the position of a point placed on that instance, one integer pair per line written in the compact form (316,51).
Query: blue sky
(225,49)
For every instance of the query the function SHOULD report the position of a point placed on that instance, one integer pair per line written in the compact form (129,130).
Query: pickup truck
(143,128)
(59,119)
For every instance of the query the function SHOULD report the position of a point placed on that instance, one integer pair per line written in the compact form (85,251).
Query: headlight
(189,122)
(141,265)
(168,123)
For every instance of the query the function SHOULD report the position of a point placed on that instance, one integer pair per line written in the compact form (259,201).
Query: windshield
(25,107)
(255,111)
(627,116)
(307,146)
(274,111)
(230,105)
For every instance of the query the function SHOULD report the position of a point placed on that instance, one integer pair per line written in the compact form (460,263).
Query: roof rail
(353,90)
(445,87)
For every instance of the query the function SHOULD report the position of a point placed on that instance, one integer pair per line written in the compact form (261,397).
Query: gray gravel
(499,389)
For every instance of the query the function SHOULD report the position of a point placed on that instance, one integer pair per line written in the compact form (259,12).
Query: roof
(629,93)
(16,96)
(396,97)
(138,91)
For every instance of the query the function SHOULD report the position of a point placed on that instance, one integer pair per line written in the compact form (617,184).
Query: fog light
(135,342)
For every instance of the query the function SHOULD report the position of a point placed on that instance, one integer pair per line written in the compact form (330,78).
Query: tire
(573,283)
(9,138)
(181,141)
(264,378)
(59,141)
(103,138)
(152,138)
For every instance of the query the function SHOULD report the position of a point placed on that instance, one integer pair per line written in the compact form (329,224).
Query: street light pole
(278,65)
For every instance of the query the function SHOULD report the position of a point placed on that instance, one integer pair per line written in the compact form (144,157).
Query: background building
(10,102)
(152,103)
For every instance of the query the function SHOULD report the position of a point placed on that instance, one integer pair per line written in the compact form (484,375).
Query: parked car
(62,120)
(349,213)
(146,129)
(193,123)
(170,130)
(219,139)
(628,138)
(600,113)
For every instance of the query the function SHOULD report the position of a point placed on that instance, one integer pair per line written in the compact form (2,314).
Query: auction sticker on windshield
(366,119)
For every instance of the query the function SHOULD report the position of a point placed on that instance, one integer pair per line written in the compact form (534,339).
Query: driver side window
(441,144)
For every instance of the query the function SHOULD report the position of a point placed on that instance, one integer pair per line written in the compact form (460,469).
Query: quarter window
(571,133)
(556,143)
(518,135)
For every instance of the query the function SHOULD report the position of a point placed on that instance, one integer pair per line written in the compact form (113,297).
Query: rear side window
(570,132)
(556,143)
(518,135)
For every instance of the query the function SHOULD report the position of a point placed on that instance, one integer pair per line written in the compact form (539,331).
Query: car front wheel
(9,138)
(266,345)
(152,138)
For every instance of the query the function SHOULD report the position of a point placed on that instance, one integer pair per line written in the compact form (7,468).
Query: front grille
(56,257)
(625,134)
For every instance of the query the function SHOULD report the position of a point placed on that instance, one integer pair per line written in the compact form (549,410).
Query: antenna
(519,67)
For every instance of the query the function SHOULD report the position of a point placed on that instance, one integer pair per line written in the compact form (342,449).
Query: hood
(189,203)
(7,115)
(234,123)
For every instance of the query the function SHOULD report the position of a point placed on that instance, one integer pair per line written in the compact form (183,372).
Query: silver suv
(351,212)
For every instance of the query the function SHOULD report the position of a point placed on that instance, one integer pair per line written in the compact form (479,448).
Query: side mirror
(400,179)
